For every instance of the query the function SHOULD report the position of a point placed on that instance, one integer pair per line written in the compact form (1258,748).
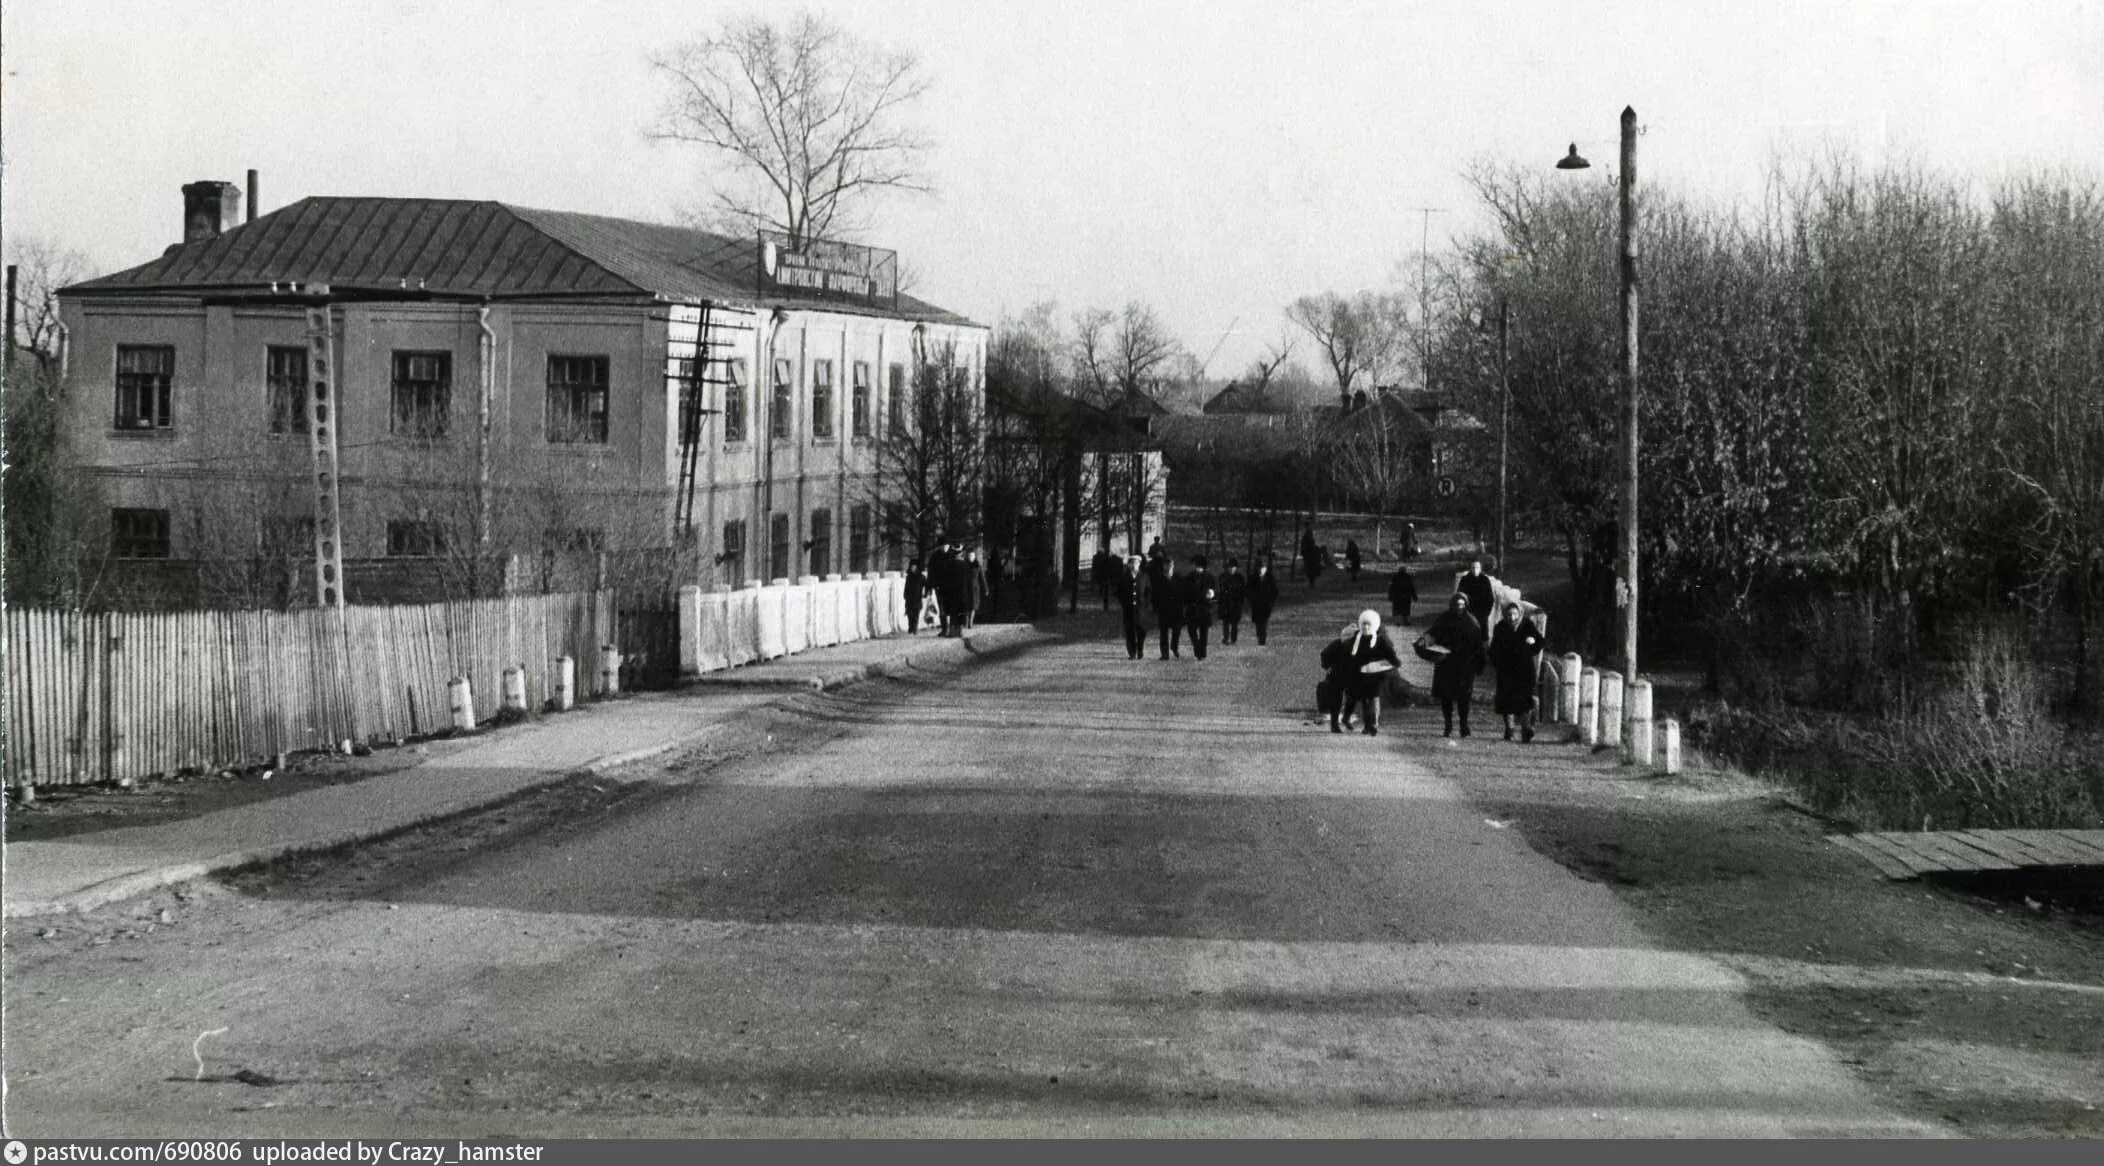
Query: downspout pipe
(486,359)
(775,320)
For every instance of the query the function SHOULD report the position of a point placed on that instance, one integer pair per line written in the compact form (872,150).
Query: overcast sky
(1213,158)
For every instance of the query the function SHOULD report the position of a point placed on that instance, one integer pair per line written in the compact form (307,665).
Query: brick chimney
(209,208)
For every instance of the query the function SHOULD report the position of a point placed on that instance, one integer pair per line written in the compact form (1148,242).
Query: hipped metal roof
(476,250)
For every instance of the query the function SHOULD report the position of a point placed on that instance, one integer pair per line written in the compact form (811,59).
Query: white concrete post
(461,695)
(1572,667)
(1547,681)
(1611,709)
(515,689)
(690,630)
(609,670)
(565,684)
(1589,706)
(1637,750)
(1669,745)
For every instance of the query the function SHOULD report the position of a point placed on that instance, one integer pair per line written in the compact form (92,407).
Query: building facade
(516,392)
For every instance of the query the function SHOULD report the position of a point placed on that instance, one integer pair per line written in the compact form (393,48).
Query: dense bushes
(1873,428)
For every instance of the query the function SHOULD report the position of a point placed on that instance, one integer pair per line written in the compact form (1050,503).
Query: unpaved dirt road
(1055,893)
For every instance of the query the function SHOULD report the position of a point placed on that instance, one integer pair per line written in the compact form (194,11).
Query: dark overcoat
(1515,653)
(1234,592)
(1201,598)
(1263,593)
(1454,676)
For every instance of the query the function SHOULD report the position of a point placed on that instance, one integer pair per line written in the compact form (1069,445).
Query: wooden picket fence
(101,697)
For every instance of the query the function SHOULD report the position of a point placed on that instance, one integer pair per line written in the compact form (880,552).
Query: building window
(577,400)
(895,400)
(145,386)
(138,534)
(422,397)
(821,542)
(415,540)
(860,420)
(858,528)
(821,398)
(778,547)
(285,376)
(734,402)
(784,400)
(733,542)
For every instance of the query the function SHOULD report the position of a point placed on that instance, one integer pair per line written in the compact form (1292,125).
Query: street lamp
(1625,585)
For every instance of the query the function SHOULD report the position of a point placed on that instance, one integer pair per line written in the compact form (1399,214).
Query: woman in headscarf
(1454,644)
(1369,659)
(1515,653)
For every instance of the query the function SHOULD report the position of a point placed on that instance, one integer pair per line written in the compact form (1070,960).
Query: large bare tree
(1359,335)
(811,118)
(1122,354)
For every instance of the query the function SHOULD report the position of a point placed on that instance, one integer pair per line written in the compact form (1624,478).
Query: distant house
(509,382)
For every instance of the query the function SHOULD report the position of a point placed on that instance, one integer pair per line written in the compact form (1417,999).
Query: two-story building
(512,386)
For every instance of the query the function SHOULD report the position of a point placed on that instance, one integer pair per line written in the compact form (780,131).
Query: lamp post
(1625,584)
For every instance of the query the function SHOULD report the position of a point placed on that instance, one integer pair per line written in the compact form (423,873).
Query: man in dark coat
(1263,596)
(1515,655)
(1166,590)
(1481,601)
(916,595)
(1201,600)
(1351,558)
(1133,598)
(938,570)
(1334,694)
(1402,592)
(1234,593)
(953,589)
(1454,643)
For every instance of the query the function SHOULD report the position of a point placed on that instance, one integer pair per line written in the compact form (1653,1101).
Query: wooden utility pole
(1627,589)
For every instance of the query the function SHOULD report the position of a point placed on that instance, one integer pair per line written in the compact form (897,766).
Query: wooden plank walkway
(1911,854)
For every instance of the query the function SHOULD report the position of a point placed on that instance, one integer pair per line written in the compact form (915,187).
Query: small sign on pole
(1445,487)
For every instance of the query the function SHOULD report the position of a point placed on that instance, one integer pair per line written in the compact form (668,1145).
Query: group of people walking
(1360,665)
(948,592)
(1188,603)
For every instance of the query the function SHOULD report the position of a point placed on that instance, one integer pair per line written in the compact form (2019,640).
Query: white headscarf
(1368,626)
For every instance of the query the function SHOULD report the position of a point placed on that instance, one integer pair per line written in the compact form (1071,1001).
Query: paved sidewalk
(81,873)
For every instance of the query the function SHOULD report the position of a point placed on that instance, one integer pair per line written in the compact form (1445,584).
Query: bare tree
(1122,354)
(1359,336)
(931,472)
(809,116)
(45,502)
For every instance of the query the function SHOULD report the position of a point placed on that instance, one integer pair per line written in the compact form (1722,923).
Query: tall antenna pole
(1424,292)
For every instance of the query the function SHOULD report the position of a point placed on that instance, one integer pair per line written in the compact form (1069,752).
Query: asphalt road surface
(1058,892)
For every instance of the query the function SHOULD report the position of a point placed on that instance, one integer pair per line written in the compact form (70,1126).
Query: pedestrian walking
(1201,600)
(1482,601)
(1515,658)
(978,587)
(1133,599)
(1351,558)
(1454,644)
(1402,592)
(1368,665)
(1333,694)
(1166,590)
(1263,596)
(1234,594)
(916,596)
(1410,548)
(953,589)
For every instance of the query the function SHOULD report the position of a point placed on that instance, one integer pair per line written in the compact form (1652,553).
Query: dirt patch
(66,811)
(1979,1003)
